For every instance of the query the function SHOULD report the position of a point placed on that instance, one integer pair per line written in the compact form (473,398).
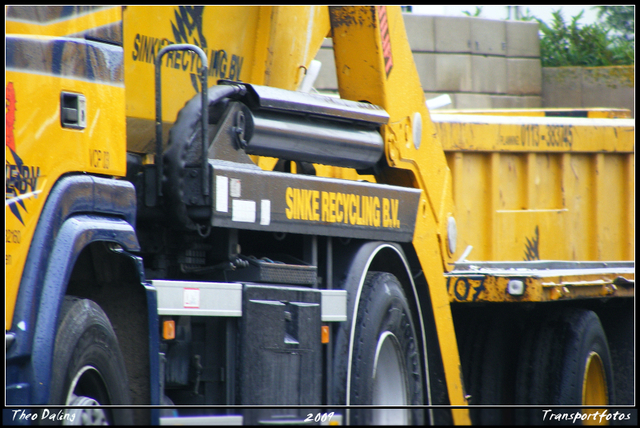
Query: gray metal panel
(225,299)
(199,298)
(334,305)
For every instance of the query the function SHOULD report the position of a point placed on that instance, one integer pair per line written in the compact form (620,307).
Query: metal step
(202,420)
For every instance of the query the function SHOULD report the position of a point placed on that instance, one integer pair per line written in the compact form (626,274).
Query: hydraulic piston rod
(316,141)
(310,128)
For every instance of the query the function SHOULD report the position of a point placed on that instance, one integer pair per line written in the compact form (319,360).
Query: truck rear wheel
(88,368)
(486,365)
(386,367)
(565,361)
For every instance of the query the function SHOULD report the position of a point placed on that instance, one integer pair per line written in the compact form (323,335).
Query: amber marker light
(325,334)
(169,330)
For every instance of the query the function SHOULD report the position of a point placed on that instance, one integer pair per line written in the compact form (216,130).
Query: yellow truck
(194,236)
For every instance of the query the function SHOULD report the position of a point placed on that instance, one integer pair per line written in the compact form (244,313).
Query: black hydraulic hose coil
(183,151)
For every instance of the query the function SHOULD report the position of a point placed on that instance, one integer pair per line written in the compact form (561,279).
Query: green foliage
(571,44)
(526,17)
(476,13)
(620,19)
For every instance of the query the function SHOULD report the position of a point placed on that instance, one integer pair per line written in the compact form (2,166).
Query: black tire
(88,368)
(487,365)
(619,324)
(554,358)
(384,324)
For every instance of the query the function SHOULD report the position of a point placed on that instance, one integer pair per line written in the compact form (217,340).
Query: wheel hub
(594,386)
(89,379)
(389,385)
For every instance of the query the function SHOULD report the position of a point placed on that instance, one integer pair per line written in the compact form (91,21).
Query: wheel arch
(98,267)
(110,276)
(77,234)
(385,257)
(83,214)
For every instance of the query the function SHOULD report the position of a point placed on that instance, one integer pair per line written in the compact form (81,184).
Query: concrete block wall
(604,87)
(479,63)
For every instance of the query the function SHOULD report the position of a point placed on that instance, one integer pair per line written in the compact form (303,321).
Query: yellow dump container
(541,188)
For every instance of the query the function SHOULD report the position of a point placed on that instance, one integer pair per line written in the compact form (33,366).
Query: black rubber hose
(184,150)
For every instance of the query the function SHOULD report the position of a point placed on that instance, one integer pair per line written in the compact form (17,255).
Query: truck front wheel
(88,368)
(385,366)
